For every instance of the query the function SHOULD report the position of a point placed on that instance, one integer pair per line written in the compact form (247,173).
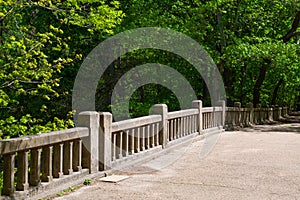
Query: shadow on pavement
(291,123)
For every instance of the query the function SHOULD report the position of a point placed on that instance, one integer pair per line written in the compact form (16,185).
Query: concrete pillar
(162,109)
(35,166)
(237,106)
(223,105)
(105,141)
(68,158)
(47,164)
(279,112)
(77,153)
(250,113)
(258,114)
(22,173)
(198,105)
(284,111)
(58,161)
(270,113)
(8,174)
(90,149)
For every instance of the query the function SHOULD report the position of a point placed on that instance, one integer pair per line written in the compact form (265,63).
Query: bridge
(41,165)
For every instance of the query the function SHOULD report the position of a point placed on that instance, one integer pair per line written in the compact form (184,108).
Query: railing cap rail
(182,113)
(34,141)
(134,123)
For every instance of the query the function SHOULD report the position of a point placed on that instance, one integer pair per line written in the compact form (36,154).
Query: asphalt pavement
(262,162)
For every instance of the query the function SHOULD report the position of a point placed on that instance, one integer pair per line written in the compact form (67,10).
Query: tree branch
(292,32)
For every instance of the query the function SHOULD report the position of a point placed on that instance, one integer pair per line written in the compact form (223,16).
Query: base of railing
(212,131)
(182,139)
(135,158)
(48,189)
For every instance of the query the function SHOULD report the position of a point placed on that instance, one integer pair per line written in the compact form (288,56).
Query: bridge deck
(259,163)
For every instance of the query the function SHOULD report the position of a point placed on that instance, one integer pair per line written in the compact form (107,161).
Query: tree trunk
(243,71)
(259,81)
(228,78)
(275,92)
(293,31)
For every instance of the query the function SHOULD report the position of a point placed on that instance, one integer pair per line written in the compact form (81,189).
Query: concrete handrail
(136,122)
(14,145)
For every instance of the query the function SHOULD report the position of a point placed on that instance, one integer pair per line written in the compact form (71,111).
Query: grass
(68,190)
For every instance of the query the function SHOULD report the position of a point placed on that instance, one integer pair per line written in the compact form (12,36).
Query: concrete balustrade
(99,144)
(51,156)
(241,117)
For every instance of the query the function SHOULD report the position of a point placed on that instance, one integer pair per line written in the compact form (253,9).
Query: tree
(250,46)
(41,42)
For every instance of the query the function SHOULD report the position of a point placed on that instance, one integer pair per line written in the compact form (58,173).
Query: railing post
(105,141)
(162,109)
(237,106)
(198,104)
(90,151)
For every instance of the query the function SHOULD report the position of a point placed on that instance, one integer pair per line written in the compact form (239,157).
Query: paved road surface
(259,163)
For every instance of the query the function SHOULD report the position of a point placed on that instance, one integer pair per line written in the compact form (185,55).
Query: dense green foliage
(42,43)
(255,44)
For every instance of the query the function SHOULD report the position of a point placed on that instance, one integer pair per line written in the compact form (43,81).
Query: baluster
(188,125)
(157,134)
(211,120)
(187,131)
(77,153)
(47,164)
(208,121)
(148,134)
(58,160)
(22,173)
(114,146)
(184,126)
(174,129)
(171,130)
(143,138)
(205,120)
(177,128)
(175,135)
(181,127)
(68,158)
(35,167)
(137,138)
(121,145)
(126,143)
(8,174)
(132,141)
(152,135)
(194,123)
